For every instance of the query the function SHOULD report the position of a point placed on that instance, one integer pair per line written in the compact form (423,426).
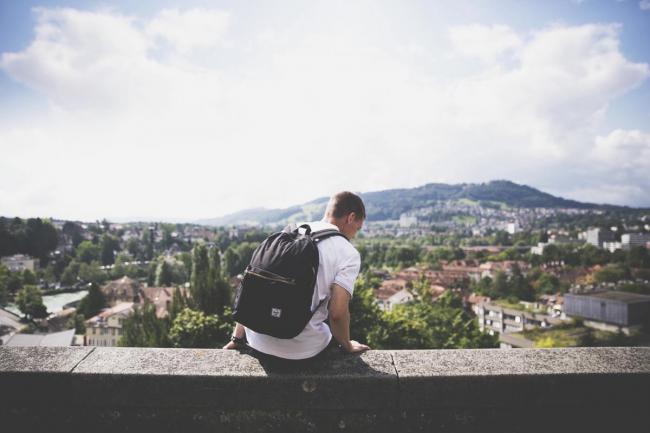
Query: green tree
(29,277)
(93,302)
(638,257)
(218,290)
(76,321)
(179,303)
(231,262)
(4,285)
(365,315)
(611,274)
(87,252)
(500,287)
(144,329)
(109,245)
(200,279)
(164,274)
(70,273)
(30,302)
(196,329)
(91,273)
(424,325)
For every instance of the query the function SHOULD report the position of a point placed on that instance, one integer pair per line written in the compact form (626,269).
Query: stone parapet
(484,390)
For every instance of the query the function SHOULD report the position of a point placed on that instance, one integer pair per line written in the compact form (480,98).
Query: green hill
(390,204)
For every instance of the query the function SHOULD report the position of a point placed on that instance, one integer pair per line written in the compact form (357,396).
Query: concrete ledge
(531,390)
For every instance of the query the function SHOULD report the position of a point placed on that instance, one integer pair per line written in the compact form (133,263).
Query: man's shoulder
(343,247)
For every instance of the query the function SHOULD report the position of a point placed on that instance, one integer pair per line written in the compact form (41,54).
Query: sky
(197,109)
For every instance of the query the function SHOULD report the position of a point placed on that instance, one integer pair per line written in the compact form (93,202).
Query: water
(53,303)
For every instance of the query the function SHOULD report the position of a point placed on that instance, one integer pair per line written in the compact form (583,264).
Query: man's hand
(231,345)
(355,347)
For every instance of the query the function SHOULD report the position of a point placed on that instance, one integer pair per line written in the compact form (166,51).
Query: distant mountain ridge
(390,204)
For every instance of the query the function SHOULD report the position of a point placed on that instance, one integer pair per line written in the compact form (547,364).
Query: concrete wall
(185,390)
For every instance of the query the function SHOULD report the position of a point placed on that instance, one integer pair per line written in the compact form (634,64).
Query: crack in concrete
(399,390)
(82,360)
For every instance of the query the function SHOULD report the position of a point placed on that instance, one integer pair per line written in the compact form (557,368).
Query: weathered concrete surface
(229,379)
(136,389)
(41,359)
(531,390)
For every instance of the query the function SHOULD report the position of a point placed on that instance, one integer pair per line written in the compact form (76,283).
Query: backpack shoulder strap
(327,233)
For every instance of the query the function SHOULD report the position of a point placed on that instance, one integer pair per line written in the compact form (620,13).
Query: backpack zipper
(270,276)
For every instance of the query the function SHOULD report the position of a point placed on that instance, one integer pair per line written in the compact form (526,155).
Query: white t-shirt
(339,263)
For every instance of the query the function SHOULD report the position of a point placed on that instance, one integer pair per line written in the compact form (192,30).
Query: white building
(406,220)
(20,262)
(631,240)
(612,246)
(401,297)
(513,228)
(597,237)
(105,328)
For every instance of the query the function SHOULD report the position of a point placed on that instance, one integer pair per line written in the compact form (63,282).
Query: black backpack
(274,297)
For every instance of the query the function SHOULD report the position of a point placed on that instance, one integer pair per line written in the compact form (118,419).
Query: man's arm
(339,315)
(239,332)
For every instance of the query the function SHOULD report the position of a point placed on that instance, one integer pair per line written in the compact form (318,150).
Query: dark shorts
(276,361)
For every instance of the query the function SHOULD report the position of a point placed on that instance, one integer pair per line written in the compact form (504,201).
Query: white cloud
(644,5)
(192,29)
(487,43)
(226,118)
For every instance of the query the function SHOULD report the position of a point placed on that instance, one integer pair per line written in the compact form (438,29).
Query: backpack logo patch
(276,312)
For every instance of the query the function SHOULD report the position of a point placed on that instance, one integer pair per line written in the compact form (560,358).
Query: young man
(338,268)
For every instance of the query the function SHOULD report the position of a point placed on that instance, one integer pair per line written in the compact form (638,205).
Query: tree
(4,289)
(144,329)
(29,277)
(200,279)
(196,329)
(73,232)
(179,303)
(70,273)
(500,287)
(91,273)
(611,274)
(237,257)
(638,257)
(425,325)
(88,252)
(76,321)
(231,262)
(109,245)
(41,237)
(4,285)
(365,315)
(30,302)
(93,302)
(164,275)
(219,289)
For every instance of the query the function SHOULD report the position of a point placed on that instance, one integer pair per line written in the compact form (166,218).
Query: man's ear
(351,217)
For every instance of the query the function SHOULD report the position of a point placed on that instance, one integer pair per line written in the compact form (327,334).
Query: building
(124,289)
(609,310)
(513,228)
(406,220)
(612,246)
(161,297)
(64,338)
(20,262)
(631,240)
(105,328)
(495,319)
(597,237)
(391,293)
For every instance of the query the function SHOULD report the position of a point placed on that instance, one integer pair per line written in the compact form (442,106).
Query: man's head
(347,212)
